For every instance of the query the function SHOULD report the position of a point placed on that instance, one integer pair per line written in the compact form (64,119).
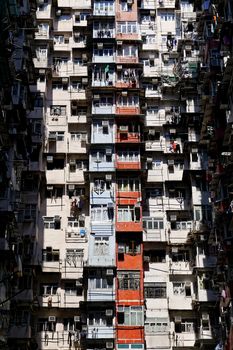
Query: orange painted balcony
(121,165)
(129,260)
(127,84)
(127,59)
(129,218)
(128,36)
(127,110)
(130,334)
(128,197)
(126,15)
(127,137)
(129,226)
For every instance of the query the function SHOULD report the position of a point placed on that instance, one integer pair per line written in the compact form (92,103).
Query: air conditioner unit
(83,137)
(119,67)
(188,284)
(109,272)
(170,162)
(52,137)
(40,2)
(52,318)
(71,187)
(108,177)
(173,217)
(58,13)
(105,123)
(203,237)
(124,93)
(178,319)
(172,131)
(205,317)
(64,80)
(49,159)
(96,97)
(57,218)
(77,318)
(109,312)
(194,150)
(119,43)
(78,284)
(108,151)
(146,258)
(130,2)
(84,81)
(49,188)
(121,250)
(109,345)
(100,45)
(110,205)
(123,128)
(72,162)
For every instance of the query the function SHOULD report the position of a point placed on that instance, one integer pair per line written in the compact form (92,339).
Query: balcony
(71,301)
(128,160)
(103,138)
(4,245)
(103,58)
(128,36)
(44,12)
(37,112)
(102,165)
(76,235)
(77,146)
(127,110)
(106,9)
(127,137)
(153,230)
(74,119)
(155,145)
(101,108)
(49,301)
(148,4)
(103,33)
(47,339)
(19,332)
(205,261)
(165,203)
(163,4)
(129,259)
(100,332)
(180,302)
(101,195)
(127,59)
(63,24)
(129,219)
(128,197)
(42,35)
(183,340)
(76,176)
(51,266)
(72,269)
(101,294)
(55,176)
(80,5)
(41,62)
(180,268)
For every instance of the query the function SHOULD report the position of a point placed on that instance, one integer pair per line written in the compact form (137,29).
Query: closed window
(48,289)
(156,325)
(153,224)
(130,315)
(129,280)
(101,246)
(155,290)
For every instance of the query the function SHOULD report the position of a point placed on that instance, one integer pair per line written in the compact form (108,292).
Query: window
(101,213)
(57,135)
(127,27)
(78,136)
(128,156)
(185,326)
(128,101)
(74,257)
(181,225)
(101,246)
(167,16)
(182,288)
(38,102)
(74,223)
(43,325)
(106,51)
(131,247)
(155,290)
(176,193)
(156,325)
(152,110)
(128,51)
(103,7)
(180,255)
(128,184)
(125,6)
(98,280)
(205,322)
(48,289)
(156,256)
(102,127)
(28,213)
(130,315)
(97,319)
(51,223)
(71,289)
(128,213)
(153,224)
(58,110)
(50,254)
(128,280)
(69,324)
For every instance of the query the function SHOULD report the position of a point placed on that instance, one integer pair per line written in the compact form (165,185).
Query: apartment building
(116,154)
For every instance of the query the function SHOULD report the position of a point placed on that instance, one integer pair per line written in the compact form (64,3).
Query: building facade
(116,185)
